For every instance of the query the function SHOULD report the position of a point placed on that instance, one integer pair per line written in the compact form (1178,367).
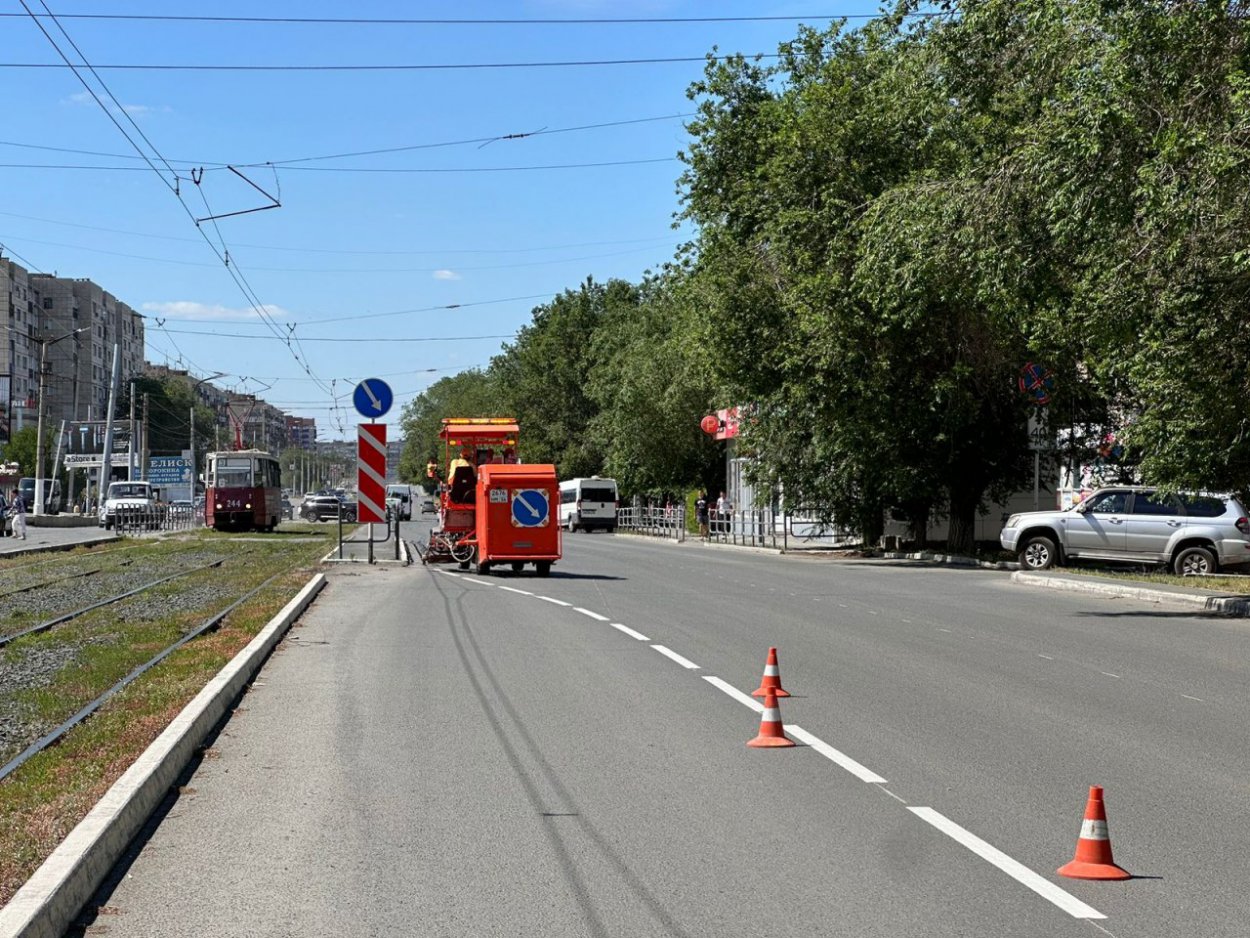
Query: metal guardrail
(136,520)
(753,527)
(668,523)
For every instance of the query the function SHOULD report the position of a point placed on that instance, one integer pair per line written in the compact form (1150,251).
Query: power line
(367,169)
(404,21)
(218,165)
(342,270)
(224,255)
(410,67)
(343,251)
(371,339)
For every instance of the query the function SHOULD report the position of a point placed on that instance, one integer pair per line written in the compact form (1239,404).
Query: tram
(244,491)
(494,510)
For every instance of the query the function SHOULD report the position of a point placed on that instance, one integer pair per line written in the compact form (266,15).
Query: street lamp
(43,365)
(194,387)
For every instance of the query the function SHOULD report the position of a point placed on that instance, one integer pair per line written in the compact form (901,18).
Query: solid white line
(513,589)
(1013,868)
(745,699)
(628,631)
(1187,697)
(862,773)
(669,653)
(558,602)
(593,615)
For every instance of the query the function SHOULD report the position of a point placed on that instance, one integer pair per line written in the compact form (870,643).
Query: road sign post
(371,473)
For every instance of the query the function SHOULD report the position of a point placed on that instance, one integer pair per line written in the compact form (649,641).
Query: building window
(47,302)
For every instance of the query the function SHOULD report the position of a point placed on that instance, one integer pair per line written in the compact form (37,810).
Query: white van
(588,503)
(399,500)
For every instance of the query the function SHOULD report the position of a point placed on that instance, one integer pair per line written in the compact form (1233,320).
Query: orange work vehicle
(494,510)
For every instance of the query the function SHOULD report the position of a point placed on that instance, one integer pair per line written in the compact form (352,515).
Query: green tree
(472,393)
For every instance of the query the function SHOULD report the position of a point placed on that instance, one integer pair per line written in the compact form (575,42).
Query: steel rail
(50,623)
(43,583)
(55,735)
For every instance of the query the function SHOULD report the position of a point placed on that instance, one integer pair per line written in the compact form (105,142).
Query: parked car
(1191,533)
(288,510)
(326,507)
(427,506)
(136,499)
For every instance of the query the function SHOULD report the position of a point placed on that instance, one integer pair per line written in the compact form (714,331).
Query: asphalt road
(435,753)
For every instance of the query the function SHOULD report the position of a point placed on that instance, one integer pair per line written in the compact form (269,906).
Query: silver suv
(1193,534)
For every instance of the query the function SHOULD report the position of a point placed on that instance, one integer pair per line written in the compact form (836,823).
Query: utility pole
(106,460)
(134,436)
(143,454)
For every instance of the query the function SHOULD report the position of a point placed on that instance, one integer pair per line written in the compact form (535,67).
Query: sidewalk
(43,539)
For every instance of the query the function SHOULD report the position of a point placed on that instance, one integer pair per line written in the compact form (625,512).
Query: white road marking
(669,653)
(1013,868)
(943,630)
(1047,657)
(1108,674)
(593,615)
(745,699)
(557,602)
(863,773)
(513,589)
(449,573)
(892,795)
(1187,697)
(628,631)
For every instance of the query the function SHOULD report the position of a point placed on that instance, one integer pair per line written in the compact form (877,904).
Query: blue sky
(355,262)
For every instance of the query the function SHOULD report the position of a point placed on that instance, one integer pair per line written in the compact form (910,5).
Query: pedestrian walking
(723,507)
(17,505)
(4,516)
(700,514)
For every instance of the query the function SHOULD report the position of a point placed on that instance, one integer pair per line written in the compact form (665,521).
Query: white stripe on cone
(1094,830)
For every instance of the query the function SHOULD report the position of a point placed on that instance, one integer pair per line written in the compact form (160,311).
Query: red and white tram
(244,491)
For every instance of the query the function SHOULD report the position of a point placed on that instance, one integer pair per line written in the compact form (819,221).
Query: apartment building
(74,323)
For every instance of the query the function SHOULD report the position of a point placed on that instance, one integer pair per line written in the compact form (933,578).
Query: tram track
(211,623)
(52,623)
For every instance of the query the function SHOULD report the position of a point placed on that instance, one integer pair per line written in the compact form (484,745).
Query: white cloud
(187,309)
(134,110)
(446,275)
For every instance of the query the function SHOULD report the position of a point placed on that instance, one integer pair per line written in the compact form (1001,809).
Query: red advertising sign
(371,473)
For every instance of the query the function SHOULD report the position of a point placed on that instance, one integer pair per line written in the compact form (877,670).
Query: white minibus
(588,504)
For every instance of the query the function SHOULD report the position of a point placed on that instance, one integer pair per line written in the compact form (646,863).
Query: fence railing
(138,519)
(789,530)
(668,523)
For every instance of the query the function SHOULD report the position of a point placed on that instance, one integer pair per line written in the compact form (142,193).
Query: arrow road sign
(373,397)
(530,508)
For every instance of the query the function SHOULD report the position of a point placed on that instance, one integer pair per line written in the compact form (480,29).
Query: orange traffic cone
(772,734)
(772,678)
(1093,847)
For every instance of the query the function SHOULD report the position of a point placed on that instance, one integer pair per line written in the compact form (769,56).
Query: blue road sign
(373,397)
(530,508)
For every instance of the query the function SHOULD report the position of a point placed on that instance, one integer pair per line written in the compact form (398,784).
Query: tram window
(233,472)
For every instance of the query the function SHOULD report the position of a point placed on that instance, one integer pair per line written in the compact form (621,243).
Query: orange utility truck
(494,510)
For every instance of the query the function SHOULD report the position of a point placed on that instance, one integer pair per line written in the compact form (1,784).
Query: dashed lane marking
(593,615)
(745,699)
(861,772)
(628,631)
(554,602)
(669,653)
(1013,868)
(513,589)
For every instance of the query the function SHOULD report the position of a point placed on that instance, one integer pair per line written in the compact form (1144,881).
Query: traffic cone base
(1093,858)
(772,733)
(772,678)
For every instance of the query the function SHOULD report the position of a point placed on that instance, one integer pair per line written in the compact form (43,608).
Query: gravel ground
(29,665)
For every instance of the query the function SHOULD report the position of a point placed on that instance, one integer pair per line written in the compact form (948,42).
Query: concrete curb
(951,560)
(1233,606)
(50,900)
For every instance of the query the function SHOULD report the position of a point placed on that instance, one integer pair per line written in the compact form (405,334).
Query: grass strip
(42,801)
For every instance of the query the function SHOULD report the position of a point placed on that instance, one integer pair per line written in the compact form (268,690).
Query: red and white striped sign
(371,472)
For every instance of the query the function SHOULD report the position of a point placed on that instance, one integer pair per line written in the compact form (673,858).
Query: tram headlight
(217,505)
(248,506)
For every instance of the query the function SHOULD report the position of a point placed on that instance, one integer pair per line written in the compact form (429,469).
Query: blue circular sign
(373,397)
(530,508)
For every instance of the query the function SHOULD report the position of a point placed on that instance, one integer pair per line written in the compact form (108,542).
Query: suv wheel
(1194,561)
(1037,553)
